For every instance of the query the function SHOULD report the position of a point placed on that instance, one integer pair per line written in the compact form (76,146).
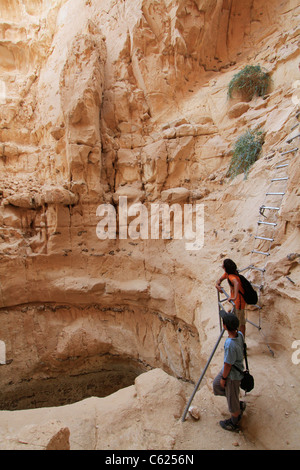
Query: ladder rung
(293,138)
(258,269)
(282,166)
(289,151)
(275,194)
(261,252)
(280,179)
(271,208)
(267,223)
(265,238)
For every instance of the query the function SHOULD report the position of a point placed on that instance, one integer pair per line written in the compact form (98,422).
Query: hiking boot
(229,426)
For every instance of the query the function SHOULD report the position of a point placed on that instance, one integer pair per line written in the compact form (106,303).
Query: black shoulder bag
(247,382)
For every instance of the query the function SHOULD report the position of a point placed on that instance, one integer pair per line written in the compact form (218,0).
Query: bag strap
(237,368)
(245,356)
(246,360)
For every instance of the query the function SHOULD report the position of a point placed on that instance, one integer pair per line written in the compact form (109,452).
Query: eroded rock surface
(101,100)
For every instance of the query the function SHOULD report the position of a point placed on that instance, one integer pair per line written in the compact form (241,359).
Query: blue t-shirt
(234,355)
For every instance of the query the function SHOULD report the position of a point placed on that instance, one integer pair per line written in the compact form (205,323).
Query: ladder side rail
(212,353)
(202,375)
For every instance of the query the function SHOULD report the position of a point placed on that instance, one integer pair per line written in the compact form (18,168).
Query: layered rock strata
(102,100)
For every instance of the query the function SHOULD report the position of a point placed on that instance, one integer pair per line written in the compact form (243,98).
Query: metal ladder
(222,331)
(267,222)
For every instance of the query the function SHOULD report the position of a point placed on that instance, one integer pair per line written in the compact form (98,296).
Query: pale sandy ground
(271,420)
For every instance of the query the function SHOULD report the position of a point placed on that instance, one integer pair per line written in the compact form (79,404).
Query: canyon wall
(107,99)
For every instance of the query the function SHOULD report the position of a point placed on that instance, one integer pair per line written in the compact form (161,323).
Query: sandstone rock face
(101,100)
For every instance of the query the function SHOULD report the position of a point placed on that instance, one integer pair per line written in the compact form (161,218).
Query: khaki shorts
(231,392)
(240,313)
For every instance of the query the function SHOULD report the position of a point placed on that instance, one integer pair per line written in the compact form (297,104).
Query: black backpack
(250,295)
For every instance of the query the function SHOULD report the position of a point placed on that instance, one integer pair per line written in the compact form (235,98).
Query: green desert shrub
(245,152)
(250,81)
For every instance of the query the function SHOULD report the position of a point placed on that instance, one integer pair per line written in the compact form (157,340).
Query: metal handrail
(202,375)
(212,354)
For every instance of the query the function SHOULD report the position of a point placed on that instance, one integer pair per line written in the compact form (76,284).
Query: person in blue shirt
(227,382)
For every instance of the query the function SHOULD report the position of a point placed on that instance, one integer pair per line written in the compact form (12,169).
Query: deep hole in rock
(67,388)
(58,354)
